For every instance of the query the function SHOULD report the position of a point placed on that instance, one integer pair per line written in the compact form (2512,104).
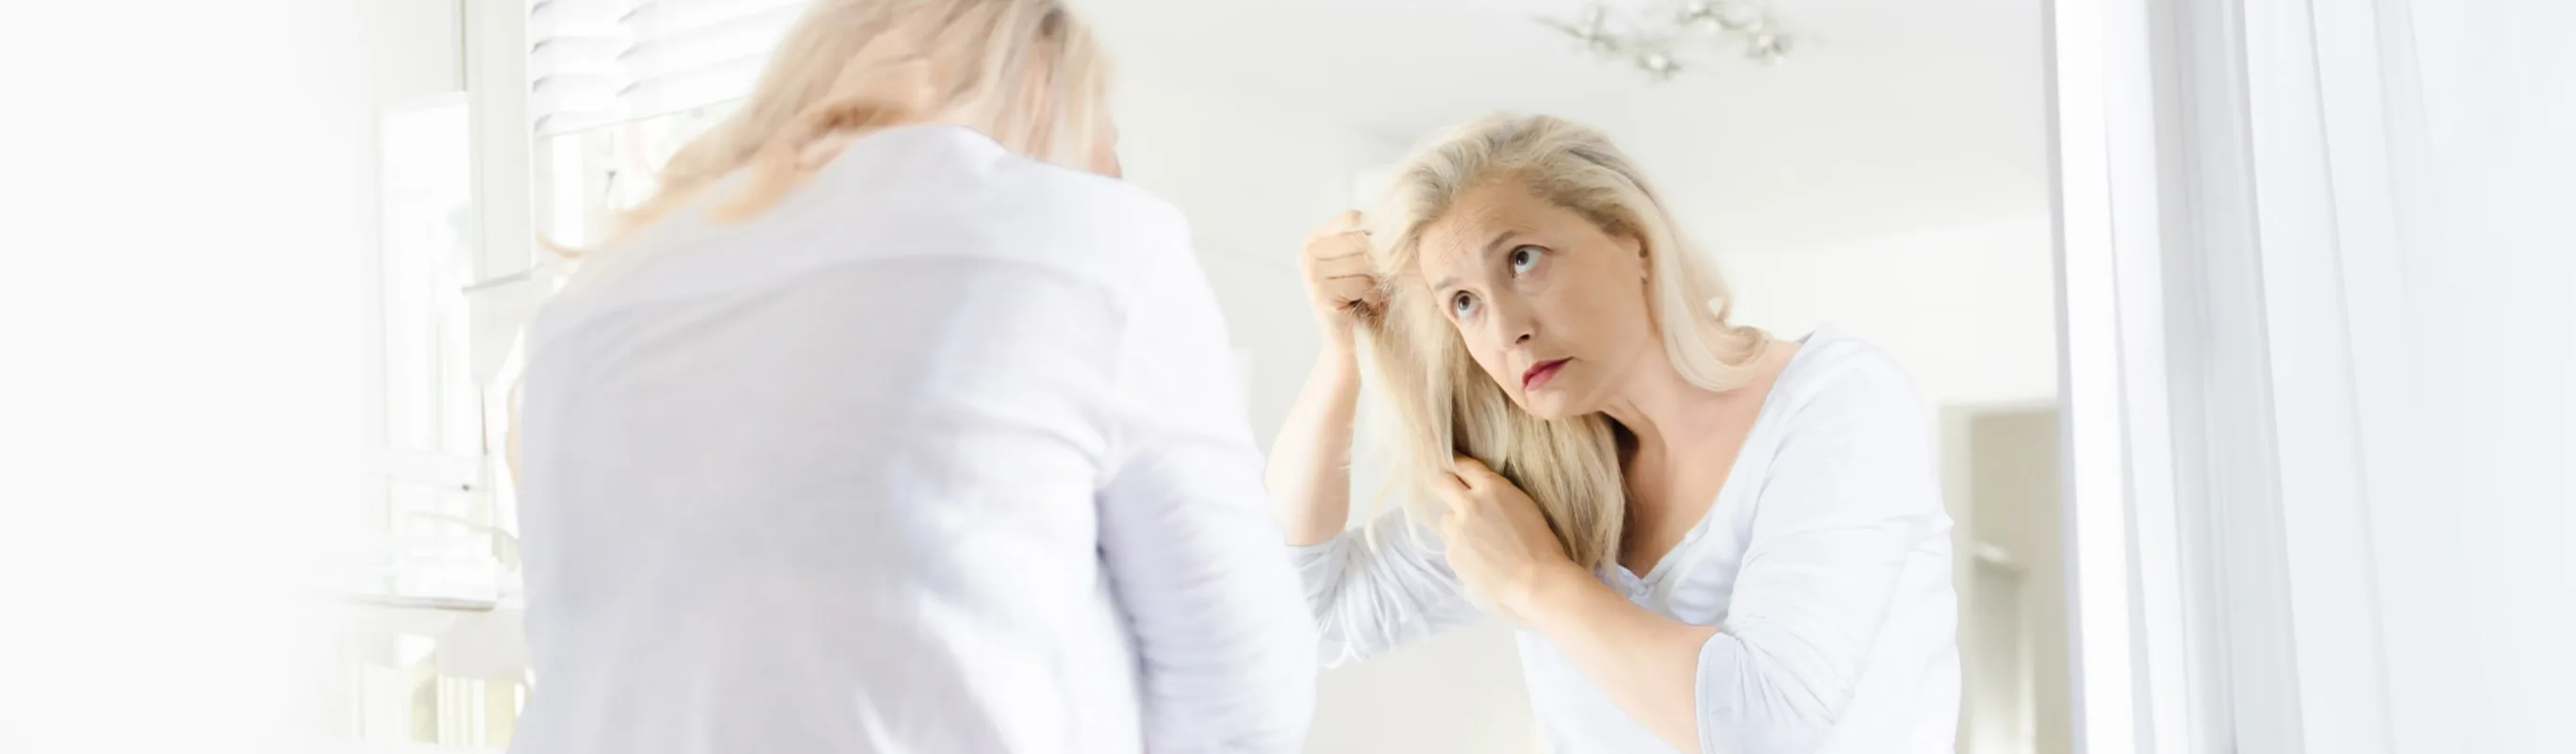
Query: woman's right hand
(1310,463)
(1341,280)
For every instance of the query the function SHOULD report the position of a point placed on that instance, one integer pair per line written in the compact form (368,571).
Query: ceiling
(1889,116)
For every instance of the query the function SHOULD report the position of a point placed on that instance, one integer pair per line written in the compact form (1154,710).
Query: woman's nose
(1515,325)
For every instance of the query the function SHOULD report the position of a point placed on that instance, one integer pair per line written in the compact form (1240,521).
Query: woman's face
(1551,307)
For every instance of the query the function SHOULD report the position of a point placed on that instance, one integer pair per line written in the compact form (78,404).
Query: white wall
(1251,181)
(182,405)
(1969,311)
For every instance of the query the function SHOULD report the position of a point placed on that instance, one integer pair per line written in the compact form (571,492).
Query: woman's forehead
(1480,217)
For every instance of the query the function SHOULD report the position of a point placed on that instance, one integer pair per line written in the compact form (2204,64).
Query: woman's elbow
(1764,702)
(1334,625)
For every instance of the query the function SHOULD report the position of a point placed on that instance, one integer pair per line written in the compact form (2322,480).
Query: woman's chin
(1547,405)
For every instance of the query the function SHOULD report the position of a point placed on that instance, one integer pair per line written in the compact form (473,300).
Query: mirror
(1888,176)
(1879,169)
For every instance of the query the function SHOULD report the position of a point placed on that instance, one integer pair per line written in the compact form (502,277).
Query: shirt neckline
(1759,435)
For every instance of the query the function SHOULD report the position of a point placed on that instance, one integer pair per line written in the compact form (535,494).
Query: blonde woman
(897,424)
(1712,539)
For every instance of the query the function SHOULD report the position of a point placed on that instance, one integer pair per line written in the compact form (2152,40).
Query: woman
(879,432)
(1713,540)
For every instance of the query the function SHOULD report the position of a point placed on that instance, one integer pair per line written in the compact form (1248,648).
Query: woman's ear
(1645,265)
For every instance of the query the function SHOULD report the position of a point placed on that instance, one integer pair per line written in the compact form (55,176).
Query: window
(434,512)
(579,101)
(586,176)
(411,701)
(428,651)
(437,553)
(616,86)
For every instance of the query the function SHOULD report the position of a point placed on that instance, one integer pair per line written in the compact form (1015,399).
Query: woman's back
(860,474)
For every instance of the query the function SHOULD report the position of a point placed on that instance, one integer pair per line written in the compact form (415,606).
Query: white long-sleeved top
(943,453)
(1824,562)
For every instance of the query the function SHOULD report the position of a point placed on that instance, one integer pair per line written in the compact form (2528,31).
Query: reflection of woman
(880,433)
(1712,540)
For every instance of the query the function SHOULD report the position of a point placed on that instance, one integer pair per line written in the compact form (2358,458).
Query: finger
(1354,264)
(1447,482)
(1334,251)
(1346,222)
(1451,490)
(1346,245)
(1453,531)
(1474,472)
(1346,290)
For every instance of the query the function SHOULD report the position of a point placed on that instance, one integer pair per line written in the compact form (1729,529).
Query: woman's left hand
(1499,543)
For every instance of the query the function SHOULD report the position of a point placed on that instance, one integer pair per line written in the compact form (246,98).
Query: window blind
(597,62)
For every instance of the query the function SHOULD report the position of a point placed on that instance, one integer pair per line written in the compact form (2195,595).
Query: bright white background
(179,403)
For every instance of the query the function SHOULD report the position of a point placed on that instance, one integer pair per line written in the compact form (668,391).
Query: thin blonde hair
(1025,72)
(1445,406)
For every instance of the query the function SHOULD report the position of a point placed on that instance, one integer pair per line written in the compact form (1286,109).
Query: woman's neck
(1666,414)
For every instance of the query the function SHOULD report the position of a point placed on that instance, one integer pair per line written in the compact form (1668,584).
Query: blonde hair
(1445,406)
(1024,72)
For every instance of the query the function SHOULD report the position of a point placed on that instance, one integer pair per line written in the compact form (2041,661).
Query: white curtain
(2368,215)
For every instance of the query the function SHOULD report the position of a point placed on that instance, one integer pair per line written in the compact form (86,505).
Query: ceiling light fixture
(1658,42)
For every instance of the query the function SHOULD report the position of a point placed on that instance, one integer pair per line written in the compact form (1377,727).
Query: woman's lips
(1540,373)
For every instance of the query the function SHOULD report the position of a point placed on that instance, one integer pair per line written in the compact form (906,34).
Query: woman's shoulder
(960,172)
(1070,205)
(1834,377)
(1849,438)
(1053,215)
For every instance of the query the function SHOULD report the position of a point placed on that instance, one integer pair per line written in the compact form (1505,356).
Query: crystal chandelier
(1657,42)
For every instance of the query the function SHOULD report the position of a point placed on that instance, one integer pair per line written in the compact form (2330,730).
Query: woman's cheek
(1487,362)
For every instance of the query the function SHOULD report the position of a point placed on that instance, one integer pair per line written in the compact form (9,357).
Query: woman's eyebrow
(1491,247)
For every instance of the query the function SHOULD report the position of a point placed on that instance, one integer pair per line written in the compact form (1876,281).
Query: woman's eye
(1524,258)
(1463,304)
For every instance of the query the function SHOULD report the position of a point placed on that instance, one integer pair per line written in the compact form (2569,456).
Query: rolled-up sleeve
(1844,505)
(1375,590)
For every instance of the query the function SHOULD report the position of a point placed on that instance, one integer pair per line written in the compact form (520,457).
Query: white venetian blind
(595,62)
